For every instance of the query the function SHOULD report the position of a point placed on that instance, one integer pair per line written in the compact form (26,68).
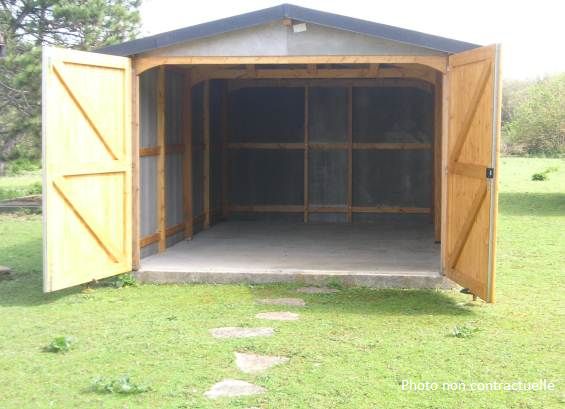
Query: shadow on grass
(24,287)
(371,302)
(532,204)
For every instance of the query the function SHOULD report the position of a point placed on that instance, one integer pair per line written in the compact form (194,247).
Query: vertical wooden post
(136,247)
(445,125)
(225,162)
(187,159)
(349,152)
(161,207)
(206,161)
(306,142)
(436,206)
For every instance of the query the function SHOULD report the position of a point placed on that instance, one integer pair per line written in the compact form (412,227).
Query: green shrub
(125,280)
(21,166)
(463,331)
(122,385)
(541,176)
(61,344)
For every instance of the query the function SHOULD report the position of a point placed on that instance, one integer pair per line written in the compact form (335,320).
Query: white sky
(532,33)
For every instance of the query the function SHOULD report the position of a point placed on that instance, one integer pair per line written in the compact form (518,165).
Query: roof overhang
(288,11)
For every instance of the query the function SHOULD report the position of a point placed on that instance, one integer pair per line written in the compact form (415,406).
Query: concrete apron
(317,278)
(315,255)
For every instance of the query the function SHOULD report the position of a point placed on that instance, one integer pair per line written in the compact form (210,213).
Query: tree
(29,24)
(536,122)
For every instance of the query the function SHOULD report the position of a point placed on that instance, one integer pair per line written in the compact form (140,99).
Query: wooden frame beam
(349,153)
(235,84)
(438,63)
(306,142)
(187,158)
(328,209)
(135,174)
(206,161)
(437,157)
(161,183)
(225,152)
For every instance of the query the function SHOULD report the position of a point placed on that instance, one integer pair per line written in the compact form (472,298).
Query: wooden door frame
(142,64)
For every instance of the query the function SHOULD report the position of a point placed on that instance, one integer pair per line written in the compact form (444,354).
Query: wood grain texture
(135,172)
(87,158)
(161,180)
(472,121)
(439,63)
(187,157)
(206,161)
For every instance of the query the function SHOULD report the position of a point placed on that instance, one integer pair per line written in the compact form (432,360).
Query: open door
(87,210)
(473,112)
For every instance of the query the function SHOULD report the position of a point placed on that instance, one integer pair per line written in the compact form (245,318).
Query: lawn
(349,350)
(21,185)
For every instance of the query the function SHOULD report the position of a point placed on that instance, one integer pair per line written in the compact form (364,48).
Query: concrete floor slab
(374,255)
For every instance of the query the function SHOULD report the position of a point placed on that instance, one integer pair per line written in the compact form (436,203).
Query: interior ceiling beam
(437,62)
(331,82)
(204,73)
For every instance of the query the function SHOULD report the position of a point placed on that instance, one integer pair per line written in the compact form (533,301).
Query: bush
(21,166)
(535,118)
(61,344)
(122,385)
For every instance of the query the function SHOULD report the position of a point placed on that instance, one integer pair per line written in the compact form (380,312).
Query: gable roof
(288,11)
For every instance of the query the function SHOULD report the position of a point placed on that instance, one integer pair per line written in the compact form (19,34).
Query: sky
(532,33)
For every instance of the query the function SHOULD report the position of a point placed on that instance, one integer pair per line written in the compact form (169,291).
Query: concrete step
(318,278)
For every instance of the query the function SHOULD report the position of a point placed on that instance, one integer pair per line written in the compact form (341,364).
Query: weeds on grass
(125,280)
(541,176)
(464,331)
(61,344)
(122,385)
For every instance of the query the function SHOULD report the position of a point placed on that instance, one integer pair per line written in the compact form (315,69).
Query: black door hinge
(490,173)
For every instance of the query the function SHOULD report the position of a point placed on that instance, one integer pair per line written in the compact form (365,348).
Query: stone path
(233,388)
(241,332)
(295,302)
(252,363)
(317,290)
(278,316)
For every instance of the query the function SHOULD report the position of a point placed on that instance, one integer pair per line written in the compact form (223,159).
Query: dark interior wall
(389,178)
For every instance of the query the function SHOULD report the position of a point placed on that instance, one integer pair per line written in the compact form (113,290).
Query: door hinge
(490,173)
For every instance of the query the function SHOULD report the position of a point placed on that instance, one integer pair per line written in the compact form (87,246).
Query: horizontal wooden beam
(328,146)
(142,64)
(392,146)
(468,169)
(247,145)
(147,240)
(152,151)
(177,228)
(327,209)
(384,209)
(156,150)
(354,82)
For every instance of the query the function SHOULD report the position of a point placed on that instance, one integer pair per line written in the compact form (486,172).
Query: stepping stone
(241,332)
(5,271)
(231,388)
(253,364)
(278,316)
(295,302)
(317,290)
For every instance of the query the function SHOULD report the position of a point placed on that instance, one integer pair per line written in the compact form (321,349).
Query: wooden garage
(286,144)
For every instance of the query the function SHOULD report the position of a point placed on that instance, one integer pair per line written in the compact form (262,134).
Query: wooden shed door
(87,167)
(473,134)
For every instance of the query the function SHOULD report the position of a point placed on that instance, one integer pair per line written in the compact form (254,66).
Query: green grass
(18,186)
(349,350)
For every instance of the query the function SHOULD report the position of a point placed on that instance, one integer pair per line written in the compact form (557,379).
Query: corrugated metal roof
(289,11)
